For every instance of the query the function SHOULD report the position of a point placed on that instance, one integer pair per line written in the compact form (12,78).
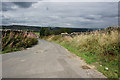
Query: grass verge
(98,48)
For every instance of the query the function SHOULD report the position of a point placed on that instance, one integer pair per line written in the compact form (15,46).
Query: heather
(15,40)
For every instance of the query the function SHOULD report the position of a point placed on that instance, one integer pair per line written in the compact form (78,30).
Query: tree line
(46,31)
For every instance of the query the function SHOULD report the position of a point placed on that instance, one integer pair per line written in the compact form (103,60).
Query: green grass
(87,56)
(37,33)
(10,50)
(112,71)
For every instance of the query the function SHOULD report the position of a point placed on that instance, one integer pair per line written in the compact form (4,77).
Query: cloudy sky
(60,14)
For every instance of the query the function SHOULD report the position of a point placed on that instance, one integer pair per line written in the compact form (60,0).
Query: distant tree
(63,30)
(42,32)
(47,31)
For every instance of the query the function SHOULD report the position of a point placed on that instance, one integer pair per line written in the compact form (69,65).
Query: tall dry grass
(98,46)
(101,41)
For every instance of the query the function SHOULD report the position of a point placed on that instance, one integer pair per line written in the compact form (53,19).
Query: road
(46,60)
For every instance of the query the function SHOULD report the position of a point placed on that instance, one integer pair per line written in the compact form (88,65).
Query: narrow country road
(45,60)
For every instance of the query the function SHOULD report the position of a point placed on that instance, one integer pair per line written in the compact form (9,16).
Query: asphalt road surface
(46,60)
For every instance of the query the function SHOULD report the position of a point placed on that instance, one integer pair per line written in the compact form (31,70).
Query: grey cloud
(61,14)
(6,6)
(109,15)
(91,18)
(23,4)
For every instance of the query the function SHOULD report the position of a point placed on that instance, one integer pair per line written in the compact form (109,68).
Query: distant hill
(37,28)
(21,27)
